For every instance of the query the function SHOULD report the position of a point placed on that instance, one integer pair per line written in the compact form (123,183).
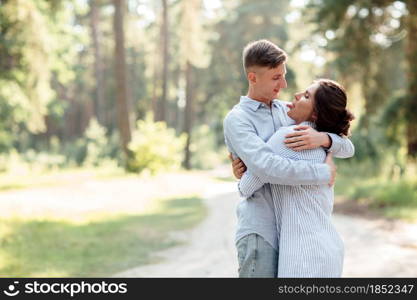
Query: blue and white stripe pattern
(309,245)
(247,128)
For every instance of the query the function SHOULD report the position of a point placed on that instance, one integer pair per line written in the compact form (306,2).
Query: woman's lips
(290,105)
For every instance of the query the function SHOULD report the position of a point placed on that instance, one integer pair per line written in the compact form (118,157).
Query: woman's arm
(242,139)
(249,184)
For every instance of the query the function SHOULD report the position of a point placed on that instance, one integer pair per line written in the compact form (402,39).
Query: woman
(309,245)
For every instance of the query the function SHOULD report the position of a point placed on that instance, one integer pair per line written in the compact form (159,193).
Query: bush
(205,154)
(155,147)
(43,160)
(30,161)
(402,193)
(96,143)
(94,148)
(388,194)
(75,152)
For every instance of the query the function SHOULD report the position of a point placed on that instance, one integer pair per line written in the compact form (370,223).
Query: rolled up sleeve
(341,147)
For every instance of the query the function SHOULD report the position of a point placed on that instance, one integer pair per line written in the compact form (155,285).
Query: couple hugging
(282,154)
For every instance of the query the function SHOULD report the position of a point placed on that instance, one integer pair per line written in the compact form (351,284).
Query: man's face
(302,107)
(268,82)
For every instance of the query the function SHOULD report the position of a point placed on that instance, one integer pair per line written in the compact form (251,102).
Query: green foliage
(366,145)
(389,191)
(97,143)
(393,118)
(206,154)
(247,20)
(31,161)
(43,161)
(155,147)
(14,109)
(27,43)
(388,194)
(93,149)
(75,152)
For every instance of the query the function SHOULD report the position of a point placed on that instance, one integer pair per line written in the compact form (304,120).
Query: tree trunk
(155,105)
(412,80)
(189,112)
(162,115)
(121,81)
(98,65)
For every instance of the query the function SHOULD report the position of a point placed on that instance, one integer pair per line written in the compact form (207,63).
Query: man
(247,127)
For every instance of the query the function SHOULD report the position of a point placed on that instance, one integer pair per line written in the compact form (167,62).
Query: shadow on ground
(100,247)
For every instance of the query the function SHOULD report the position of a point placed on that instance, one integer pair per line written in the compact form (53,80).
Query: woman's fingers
(294,136)
(302,127)
(293,140)
(297,145)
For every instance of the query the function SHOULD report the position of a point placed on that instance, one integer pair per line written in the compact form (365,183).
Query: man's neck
(254,96)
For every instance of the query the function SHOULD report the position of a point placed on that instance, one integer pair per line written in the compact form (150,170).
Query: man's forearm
(327,141)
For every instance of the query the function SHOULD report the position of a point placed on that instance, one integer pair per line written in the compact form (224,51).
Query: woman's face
(302,107)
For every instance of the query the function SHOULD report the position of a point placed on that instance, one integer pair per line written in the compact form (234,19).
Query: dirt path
(209,250)
(82,197)
(373,248)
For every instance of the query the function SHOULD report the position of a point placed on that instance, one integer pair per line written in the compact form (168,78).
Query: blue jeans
(256,257)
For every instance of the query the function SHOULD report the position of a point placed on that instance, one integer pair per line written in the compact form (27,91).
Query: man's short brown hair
(263,53)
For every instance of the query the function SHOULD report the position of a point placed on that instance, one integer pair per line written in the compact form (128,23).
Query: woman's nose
(297,96)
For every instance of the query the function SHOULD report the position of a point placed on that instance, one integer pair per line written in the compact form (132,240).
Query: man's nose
(284,83)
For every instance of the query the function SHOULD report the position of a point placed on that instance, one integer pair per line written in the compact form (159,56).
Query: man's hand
(238,167)
(305,138)
(330,163)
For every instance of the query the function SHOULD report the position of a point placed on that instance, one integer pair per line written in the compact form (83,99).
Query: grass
(95,247)
(394,199)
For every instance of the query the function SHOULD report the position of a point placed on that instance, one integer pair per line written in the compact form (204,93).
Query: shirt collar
(250,103)
(253,104)
(275,102)
(308,123)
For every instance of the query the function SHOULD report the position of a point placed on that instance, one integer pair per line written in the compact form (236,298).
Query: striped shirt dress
(308,243)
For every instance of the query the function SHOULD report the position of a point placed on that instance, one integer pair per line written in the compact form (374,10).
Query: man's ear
(251,77)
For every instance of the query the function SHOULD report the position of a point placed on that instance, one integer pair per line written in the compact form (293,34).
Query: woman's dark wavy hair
(330,107)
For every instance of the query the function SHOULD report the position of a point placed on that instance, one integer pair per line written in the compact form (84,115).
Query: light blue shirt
(247,127)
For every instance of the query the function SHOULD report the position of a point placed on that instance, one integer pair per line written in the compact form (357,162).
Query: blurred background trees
(73,69)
